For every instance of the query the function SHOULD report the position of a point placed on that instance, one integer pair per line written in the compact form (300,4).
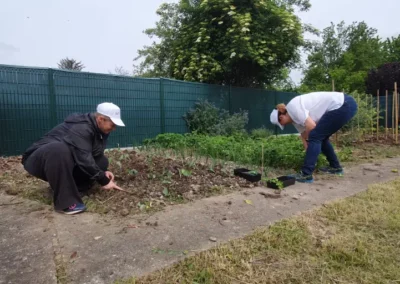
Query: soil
(151,182)
(155,180)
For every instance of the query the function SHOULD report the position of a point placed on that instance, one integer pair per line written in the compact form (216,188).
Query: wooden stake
(386,116)
(377,117)
(393,103)
(397,112)
(358,113)
(372,120)
(262,159)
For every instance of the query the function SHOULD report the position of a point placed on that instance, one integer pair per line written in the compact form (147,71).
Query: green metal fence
(33,100)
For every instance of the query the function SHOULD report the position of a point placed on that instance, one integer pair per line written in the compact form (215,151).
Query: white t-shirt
(314,105)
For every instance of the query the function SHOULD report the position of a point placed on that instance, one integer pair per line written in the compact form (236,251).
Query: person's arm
(304,137)
(309,124)
(80,139)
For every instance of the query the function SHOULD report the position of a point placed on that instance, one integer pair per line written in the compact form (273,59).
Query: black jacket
(84,138)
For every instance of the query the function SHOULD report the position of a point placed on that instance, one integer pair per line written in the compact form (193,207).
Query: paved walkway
(40,246)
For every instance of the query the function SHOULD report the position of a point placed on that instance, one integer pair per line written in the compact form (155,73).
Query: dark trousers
(54,163)
(318,139)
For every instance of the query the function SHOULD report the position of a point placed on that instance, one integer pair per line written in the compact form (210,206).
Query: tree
(345,55)
(70,64)
(119,70)
(236,42)
(392,49)
(158,57)
(383,78)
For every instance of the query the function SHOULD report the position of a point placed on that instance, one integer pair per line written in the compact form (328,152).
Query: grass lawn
(355,240)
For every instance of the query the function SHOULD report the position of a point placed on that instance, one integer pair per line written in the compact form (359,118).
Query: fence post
(230,99)
(162,106)
(275,103)
(52,99)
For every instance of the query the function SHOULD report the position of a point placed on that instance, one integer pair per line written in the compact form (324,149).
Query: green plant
(261,133)
(184,172)
(146,205)
(231,124)
(166,192)
(282,151)
(277,182)
(202,118)
(205,118)
(366,115)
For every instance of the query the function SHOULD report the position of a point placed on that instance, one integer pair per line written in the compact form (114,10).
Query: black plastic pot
(286,181)
(247,174)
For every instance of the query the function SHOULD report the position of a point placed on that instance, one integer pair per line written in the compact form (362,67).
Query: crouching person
(316,116)
(70,157)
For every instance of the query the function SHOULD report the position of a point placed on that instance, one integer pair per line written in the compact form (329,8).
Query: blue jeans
(318,139)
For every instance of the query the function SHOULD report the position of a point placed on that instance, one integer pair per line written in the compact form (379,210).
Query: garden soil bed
(152,181)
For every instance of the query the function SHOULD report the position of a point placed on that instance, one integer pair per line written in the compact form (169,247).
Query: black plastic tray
(246,174)
(286,180)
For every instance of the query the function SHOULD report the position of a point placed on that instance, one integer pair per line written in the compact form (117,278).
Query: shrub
(231,124)
(205,118)
(261,133)
(202,118)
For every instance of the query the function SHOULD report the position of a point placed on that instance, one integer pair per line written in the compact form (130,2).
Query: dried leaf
(248,201)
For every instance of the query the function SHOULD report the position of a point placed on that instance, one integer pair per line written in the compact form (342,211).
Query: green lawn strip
(355,240)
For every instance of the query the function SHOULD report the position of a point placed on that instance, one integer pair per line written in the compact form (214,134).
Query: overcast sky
(105,34)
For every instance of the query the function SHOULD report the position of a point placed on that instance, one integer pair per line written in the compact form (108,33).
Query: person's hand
(110,175)
(111,185)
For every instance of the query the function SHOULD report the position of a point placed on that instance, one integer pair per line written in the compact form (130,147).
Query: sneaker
(332,171)
(300,177)
(74,209)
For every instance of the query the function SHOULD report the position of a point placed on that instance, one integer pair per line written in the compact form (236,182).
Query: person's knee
(315,137)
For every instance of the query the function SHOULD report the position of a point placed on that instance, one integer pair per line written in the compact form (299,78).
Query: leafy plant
(185,172)
(145,205)
(205,118)
(281,151)
(202,118)
(231,124)
(277,182)
(261,133)
(166,192)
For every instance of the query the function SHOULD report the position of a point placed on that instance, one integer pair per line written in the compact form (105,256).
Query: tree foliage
(121,71)
(236,42)
(383,78)
(392,49)
(70,64)
(345,55)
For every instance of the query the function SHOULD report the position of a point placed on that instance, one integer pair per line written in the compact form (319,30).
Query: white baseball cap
(112,111)
(275,118)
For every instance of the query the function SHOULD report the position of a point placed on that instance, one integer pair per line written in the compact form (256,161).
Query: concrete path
(40,246)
